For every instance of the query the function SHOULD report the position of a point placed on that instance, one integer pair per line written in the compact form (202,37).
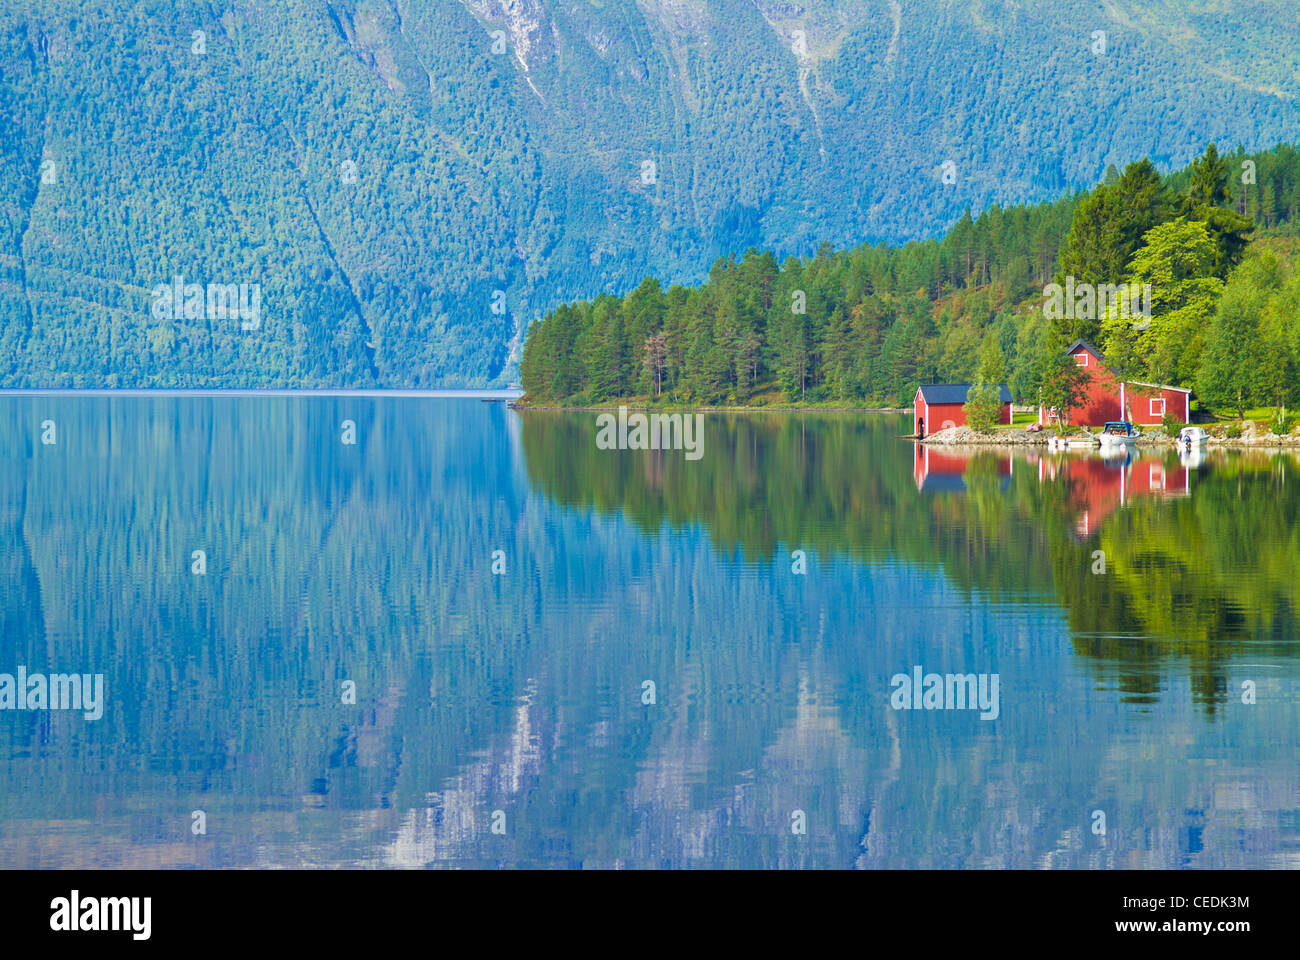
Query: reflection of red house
(1098,487)
(938,406)
(1109,398)
(937,471)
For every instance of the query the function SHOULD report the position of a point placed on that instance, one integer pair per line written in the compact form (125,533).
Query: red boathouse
(938,406)
(1109,398)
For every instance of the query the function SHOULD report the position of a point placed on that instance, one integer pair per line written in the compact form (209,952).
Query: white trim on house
(1160,386)
(1151,406)
(1185,391)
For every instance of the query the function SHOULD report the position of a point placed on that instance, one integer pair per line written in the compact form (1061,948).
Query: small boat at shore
(1190,438)
(1073,441)
(1116,435)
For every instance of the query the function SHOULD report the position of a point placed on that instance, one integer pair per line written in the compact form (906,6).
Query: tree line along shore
(1197,269)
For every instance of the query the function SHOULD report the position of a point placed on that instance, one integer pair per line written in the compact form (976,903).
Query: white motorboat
(1190,438)
(1117,435)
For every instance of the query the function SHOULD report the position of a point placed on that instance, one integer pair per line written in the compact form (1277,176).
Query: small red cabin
(938,406)
(1109,398)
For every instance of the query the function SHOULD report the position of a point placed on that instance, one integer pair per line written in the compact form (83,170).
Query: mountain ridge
(410,200)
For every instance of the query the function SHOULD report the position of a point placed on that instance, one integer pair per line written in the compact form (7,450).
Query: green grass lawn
(1259,414)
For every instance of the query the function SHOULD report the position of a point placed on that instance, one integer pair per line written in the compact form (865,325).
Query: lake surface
(516,698)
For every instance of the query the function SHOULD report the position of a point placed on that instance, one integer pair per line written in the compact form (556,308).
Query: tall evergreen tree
(1207,201)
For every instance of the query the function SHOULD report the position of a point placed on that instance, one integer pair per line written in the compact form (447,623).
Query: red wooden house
(1110,398)
(938,406)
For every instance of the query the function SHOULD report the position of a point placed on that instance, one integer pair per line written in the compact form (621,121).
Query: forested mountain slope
(409,184)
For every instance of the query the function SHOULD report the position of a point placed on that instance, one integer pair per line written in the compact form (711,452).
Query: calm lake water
(518,698)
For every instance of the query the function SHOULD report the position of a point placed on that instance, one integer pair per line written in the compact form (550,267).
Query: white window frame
(1152,407)
(1081,358)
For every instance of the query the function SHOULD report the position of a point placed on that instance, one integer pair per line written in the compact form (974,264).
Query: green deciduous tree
(1177,262)
(1247,359)
(984,403)
(1063,385)
(1107,230)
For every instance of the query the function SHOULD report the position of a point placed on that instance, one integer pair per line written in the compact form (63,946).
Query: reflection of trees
(1206,579)
(1203,579)
(836,484)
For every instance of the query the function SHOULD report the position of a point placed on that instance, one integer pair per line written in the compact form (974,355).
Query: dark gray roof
(955,392)
(1087,346)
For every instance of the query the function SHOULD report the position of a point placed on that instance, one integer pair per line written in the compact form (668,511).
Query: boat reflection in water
(1192,458)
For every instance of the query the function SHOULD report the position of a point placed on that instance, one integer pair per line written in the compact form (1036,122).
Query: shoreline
(953,437)
(972,439)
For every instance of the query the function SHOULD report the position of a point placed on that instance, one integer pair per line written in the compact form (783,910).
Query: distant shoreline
(1148,441)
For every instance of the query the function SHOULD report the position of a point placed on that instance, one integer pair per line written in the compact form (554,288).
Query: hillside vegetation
(868,324)
(408,185)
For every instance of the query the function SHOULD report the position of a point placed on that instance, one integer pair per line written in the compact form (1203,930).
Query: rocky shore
(966,437)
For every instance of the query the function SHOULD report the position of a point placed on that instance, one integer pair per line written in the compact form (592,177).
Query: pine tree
(655,358)
(1206,201)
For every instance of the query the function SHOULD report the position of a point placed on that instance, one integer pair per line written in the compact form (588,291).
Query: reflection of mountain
(1025,523)
(96,535)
